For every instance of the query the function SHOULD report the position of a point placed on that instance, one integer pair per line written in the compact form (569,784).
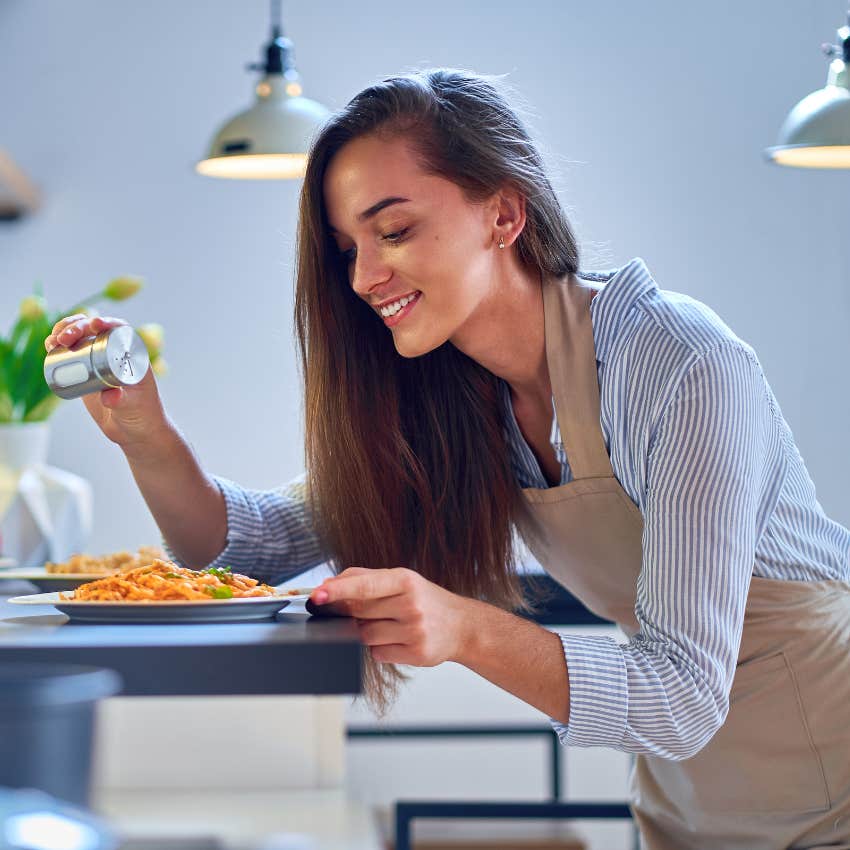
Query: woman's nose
(367,272)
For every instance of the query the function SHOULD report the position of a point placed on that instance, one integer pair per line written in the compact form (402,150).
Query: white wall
(653,114)
(484,769)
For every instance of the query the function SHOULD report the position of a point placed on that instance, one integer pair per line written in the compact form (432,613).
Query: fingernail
(320,597)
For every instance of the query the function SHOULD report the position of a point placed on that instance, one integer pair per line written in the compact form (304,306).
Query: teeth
(392,309)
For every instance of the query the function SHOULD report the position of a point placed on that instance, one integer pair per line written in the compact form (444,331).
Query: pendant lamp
(269,140)
(816,133)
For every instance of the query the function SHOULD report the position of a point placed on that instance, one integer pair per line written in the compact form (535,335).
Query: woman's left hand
(401,616)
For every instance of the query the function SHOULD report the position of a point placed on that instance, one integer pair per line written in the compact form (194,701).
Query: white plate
(7,563)
(44,580)
(41,572)
(167,611)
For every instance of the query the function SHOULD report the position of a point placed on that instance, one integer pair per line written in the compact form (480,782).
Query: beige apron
(777,773)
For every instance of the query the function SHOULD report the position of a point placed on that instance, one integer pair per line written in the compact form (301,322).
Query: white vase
(24,444)
(45,513)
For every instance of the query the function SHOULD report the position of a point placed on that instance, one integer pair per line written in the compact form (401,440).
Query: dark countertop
(554,604)
(292,654)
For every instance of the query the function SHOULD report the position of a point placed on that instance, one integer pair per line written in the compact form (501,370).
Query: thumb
(130,399)
(112,398)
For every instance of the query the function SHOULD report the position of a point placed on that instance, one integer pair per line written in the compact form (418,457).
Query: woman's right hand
(129,416)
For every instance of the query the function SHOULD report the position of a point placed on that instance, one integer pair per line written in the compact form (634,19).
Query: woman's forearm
(185,502)
(517,655)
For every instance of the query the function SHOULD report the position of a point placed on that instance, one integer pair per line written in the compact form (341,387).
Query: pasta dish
(162,580)
(105,564)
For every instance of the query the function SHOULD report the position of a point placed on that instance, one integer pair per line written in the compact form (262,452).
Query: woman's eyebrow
(375,209)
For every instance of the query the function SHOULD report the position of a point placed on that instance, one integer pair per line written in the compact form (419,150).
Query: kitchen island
(285,776)
(290,654)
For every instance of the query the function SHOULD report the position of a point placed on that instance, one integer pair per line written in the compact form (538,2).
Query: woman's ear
(509,215)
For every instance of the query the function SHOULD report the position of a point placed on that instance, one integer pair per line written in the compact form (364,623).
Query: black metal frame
(406,811)
(475,732)
(553,606)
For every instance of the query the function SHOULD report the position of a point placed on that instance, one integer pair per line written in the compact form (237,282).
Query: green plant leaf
(6,407)
(24,374)
(41,411)
(5,363)
(20,328)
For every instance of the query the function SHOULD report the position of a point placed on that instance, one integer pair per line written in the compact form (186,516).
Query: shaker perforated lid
(119,356)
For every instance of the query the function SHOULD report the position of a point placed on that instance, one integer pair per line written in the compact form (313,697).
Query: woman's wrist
(515,654)
(471,627)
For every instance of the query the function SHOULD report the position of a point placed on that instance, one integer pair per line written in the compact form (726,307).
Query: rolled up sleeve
(270,533)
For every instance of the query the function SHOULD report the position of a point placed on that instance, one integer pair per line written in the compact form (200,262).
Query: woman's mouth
(393,313)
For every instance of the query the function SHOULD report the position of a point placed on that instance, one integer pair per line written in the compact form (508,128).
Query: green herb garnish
(221,573)
(220,592)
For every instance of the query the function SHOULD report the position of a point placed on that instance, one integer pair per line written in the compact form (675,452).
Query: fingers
(395,643)
(399,607)
(112,397)
(396,653)
(358,584)
(383,632)
(69,330)
(389,608)
(401,616)
(53,340)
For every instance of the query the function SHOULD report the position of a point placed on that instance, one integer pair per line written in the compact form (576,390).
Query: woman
(442,321)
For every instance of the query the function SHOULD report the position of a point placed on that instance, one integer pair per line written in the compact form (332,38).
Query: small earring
(501,241)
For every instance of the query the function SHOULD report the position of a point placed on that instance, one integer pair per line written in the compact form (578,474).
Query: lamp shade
(269,140)
(816,133)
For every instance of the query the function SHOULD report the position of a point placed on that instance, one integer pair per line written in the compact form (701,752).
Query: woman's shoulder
(633,316)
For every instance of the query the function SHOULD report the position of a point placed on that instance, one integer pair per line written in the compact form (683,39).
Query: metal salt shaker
(116,357)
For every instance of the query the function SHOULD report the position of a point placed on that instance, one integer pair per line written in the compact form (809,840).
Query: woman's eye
(393,238)
(396,235)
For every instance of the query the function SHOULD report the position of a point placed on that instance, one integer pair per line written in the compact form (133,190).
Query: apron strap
(571,358)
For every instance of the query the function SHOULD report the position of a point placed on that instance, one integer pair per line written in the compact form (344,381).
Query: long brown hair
(407,460)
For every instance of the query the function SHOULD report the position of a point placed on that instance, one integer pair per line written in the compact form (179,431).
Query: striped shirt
(697,440)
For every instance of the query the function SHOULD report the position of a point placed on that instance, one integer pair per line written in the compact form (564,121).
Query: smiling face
(418,251)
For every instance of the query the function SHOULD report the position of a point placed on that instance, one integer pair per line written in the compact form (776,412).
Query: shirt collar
(622,289)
